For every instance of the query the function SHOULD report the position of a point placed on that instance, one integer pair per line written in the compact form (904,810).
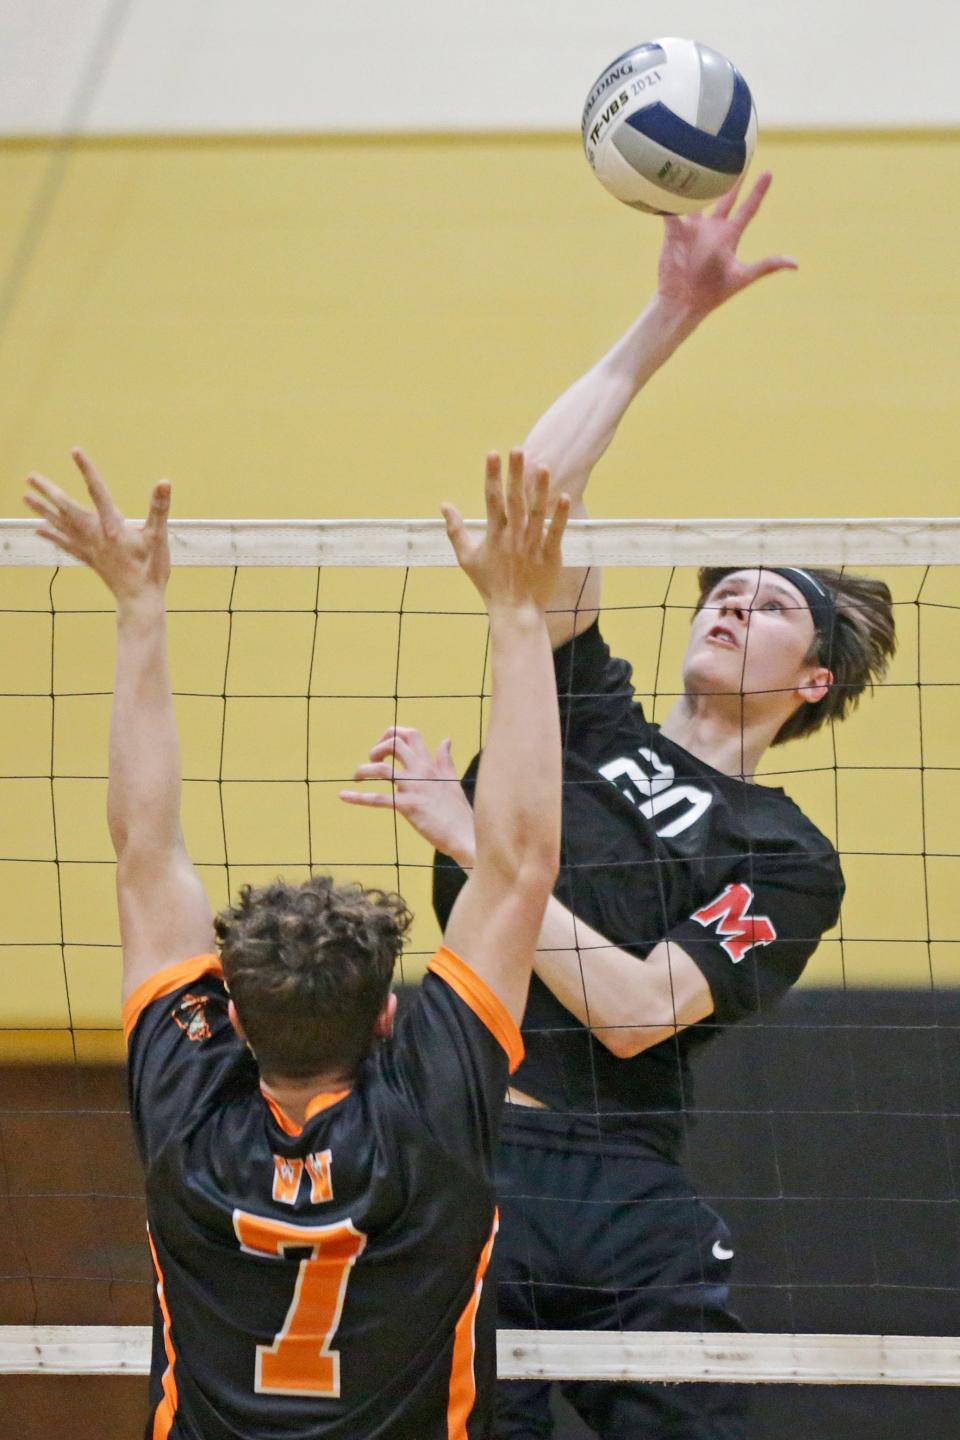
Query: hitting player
(319,1191)
(671,856)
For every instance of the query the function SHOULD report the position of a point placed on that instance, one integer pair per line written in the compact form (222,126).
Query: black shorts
(599,1236)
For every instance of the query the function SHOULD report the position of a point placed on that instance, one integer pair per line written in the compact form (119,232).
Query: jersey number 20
(300,1360)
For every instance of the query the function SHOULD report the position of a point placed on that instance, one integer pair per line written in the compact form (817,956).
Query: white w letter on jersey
(655,791)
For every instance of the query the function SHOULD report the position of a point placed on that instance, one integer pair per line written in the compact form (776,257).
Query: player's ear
(384,1026)
(234,1019)
(816,685)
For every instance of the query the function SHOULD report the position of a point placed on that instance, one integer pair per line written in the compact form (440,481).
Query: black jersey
(322,1282)
(658,845)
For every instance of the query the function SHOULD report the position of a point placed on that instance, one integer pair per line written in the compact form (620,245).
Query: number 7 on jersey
(300,1360)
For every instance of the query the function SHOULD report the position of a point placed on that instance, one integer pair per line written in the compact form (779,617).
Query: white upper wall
(109,66)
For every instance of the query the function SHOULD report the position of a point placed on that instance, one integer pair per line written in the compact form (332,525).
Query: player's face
(752,636)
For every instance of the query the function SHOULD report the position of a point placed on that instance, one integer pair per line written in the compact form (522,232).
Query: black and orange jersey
(324,1281)
(658,845)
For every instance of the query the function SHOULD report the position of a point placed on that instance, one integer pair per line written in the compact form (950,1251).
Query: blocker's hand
(426,791)
(518,561)
(132,559)
(699,268)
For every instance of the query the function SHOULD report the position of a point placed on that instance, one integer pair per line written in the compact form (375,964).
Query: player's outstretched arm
(497,915)
(164,912)
(630,1005)
(699,269)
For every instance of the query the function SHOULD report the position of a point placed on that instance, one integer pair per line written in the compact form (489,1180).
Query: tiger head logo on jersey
(190,1013)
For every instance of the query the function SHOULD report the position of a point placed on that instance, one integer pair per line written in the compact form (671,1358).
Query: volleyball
(669,126)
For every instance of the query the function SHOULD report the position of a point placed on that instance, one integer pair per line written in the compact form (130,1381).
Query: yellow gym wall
(342,327)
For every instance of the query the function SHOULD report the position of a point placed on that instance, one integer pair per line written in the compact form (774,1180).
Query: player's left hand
(699,267)
(131,558)
(426,791)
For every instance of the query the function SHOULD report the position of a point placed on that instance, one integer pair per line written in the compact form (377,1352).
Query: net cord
(675,1356)
(836,543)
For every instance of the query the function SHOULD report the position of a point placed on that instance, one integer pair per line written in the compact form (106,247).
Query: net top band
(618,543)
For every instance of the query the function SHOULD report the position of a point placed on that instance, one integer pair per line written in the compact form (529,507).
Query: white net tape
(562,1355)
(796,1360)
(588,542)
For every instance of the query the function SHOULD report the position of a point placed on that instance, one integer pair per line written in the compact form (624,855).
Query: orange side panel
(463,1385)
(167,1409)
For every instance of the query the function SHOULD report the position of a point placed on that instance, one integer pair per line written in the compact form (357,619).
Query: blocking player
(319,1191)
(672,856)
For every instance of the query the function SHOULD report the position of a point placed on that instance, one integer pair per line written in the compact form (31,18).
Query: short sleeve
(594,688)
(597,708)
(452,1056)
(753,938)
(180,1046)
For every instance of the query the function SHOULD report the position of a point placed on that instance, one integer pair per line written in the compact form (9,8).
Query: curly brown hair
(309,969)
(858,650)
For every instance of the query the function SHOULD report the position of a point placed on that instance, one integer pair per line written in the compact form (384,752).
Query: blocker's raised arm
(496,918)
(165,916)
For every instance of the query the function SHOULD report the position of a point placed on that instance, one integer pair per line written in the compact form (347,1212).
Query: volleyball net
(294,645)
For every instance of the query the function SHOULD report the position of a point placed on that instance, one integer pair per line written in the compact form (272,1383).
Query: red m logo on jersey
(729,913)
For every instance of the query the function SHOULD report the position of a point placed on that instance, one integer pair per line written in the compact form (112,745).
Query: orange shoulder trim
(487,1006)
(164,982)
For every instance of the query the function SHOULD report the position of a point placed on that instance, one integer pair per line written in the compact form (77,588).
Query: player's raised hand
(131,557)
(518,561)
(699,266)
(426,790)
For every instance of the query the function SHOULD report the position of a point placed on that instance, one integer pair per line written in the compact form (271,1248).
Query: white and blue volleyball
(669,126)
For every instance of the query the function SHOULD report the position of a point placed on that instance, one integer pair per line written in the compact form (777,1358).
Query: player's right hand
(699,266)
(518,561)
(132,559)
